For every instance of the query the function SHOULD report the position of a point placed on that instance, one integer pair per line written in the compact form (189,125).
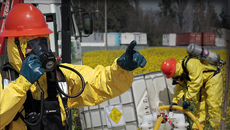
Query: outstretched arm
(103,83)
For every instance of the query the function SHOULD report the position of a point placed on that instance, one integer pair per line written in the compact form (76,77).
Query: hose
(82,79)
(40,115)
(183,110)
(158,123)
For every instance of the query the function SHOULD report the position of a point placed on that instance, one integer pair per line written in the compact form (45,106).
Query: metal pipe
(91,121)
(226,91)
(99,107)
(106,44)
(134,105)
(66,36)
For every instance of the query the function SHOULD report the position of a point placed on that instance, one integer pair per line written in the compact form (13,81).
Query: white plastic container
(142,98)
(178,120)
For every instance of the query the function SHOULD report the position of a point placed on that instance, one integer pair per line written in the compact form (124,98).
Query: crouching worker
(29,96)
(200,81)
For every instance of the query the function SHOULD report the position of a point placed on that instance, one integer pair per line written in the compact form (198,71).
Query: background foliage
(174,16)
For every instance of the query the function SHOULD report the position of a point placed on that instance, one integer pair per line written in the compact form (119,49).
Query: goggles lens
(41,41)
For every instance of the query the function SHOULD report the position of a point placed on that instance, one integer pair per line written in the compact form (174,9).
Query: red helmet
(25,20)
(168,67)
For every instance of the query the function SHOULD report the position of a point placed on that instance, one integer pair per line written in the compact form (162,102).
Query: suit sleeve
(101,83)
(195,70)
(12,99)
(179,93)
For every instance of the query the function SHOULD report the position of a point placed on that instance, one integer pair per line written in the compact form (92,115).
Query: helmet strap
(16,41)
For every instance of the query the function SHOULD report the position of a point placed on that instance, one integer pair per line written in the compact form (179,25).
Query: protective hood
(179,69)
(13,53)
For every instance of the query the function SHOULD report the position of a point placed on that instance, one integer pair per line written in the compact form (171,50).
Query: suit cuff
(175,100)
(23,82)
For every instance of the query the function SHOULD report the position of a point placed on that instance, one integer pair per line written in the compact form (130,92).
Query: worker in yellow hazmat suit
(27,87)
(201,81)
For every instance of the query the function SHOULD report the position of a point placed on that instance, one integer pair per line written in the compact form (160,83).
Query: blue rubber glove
(131,59)
(171,104)
(185,104)
(31,68)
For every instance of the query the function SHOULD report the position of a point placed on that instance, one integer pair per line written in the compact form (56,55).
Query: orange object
(58,58)
(25,20)
(3,13)
(168,67)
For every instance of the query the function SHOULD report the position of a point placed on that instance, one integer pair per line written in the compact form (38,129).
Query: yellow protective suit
(211,94)
(101,83)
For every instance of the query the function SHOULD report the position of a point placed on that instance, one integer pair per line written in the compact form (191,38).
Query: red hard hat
(25,20)
(168,67)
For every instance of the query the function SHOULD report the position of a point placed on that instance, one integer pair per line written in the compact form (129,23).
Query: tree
(211,19)
(118,15)
(179,8)
(224,22)
(164,20)
(166,8)
(199,8)
(205,17)
(150,27)
(136,21)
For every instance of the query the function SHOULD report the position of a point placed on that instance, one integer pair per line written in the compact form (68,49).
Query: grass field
(154,57)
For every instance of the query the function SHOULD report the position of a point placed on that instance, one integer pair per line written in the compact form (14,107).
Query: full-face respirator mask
(40,47)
